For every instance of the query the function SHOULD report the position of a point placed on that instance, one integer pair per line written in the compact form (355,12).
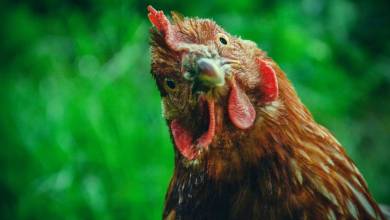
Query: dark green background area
(81,131)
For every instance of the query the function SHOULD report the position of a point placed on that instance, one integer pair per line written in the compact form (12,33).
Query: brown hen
(245,145)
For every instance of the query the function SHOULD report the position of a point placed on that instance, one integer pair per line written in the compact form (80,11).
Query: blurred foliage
(81,131)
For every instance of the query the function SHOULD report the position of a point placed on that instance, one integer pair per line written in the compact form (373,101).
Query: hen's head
(213,85)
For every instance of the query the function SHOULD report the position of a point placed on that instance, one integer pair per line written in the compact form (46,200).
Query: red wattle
(240,109)
(206,138)
(182,139)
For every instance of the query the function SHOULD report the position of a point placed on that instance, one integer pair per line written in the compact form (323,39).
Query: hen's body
(245,145)
(293,169)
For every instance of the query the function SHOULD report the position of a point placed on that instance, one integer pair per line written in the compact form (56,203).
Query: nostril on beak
(210,72)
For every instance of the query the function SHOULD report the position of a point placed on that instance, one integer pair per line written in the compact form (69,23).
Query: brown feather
(286,166)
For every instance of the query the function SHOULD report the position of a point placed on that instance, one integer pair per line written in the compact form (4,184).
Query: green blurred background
(81,131)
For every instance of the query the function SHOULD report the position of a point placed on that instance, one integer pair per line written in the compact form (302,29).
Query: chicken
(245,145)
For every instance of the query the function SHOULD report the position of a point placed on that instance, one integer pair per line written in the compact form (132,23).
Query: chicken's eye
(170,84)
(222,39)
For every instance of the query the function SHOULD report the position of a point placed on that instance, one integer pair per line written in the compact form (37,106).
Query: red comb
(159,20)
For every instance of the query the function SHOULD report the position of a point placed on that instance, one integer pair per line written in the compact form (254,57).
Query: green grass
(82,136)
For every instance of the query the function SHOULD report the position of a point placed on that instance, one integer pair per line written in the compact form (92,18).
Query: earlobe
(268,80)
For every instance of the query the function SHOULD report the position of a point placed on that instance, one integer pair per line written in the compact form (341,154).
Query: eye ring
(170,84)
(222,39)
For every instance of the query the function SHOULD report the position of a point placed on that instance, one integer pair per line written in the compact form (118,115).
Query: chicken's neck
(278,170)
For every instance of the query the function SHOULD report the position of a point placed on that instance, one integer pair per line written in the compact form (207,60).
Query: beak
(210,72)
